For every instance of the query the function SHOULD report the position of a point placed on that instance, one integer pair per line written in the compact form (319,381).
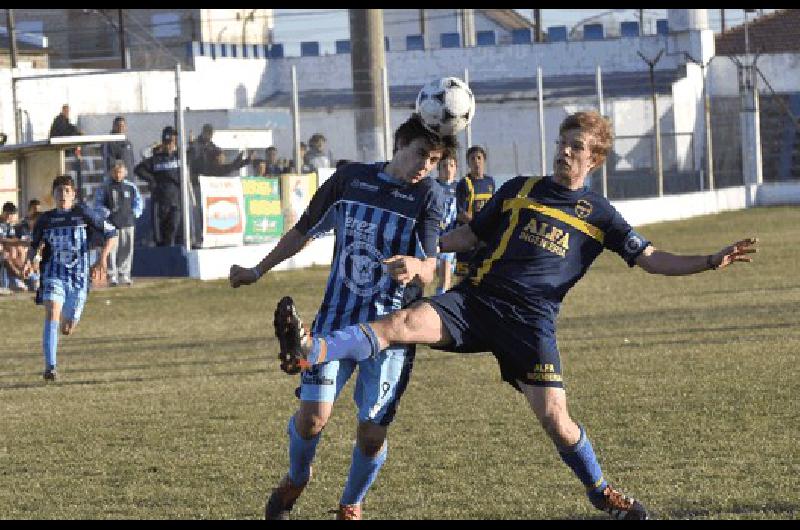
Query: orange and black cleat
(349,512)
(282,499)
(619,505)
(291,333)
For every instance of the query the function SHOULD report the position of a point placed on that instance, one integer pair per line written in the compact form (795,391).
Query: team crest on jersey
(583,209)
(633,242)
(362,265)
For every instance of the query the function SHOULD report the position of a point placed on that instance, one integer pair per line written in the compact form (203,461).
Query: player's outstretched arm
(462,239)
(290,244)
(98,271)
(660,262)
(405,269)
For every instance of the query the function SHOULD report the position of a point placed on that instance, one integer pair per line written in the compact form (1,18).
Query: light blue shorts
(70,298)
(379,386)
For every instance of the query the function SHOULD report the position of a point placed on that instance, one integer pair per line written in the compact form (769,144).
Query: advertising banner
(296,193)
(223,211)
(262,207)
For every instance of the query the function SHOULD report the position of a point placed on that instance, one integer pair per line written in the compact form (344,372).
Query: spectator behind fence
(273,165)
(203,157)
(122,150)
(290,166)
(25,231)
(121,199)
(317,156)
(260,168)
(61,125)
(10,249)
(162,173)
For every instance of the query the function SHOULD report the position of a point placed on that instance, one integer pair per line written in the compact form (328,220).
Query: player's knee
(371,439)
(310,424)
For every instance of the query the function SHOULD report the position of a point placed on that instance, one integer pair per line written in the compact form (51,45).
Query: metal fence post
(187,206)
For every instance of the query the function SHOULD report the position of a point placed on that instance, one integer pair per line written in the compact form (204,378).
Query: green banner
(262,206)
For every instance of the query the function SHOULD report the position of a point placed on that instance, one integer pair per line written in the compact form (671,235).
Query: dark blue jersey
(473,194)
(542,237)
(66,235)
(374,217)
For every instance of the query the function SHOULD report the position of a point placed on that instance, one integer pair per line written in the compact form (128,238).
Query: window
(593,32)
(662,26)
(521,36)
(414,42)
(629,29)
(342,46)
(309,48)
(450,40)
(166,25)
(486,38)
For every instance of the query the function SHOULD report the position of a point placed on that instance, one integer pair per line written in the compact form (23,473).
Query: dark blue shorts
(524,345)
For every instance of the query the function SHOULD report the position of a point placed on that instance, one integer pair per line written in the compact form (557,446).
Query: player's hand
(97,273)
(402,268)
(739,251)
(241,276)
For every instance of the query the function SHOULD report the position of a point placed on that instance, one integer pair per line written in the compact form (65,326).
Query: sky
(329,25)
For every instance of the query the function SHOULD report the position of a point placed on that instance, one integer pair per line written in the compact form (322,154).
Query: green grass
(171,404)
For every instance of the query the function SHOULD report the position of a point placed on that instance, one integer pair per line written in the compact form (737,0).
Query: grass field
(171,404)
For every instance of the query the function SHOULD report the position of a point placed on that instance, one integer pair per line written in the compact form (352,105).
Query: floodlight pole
(659,166)
(600,105)
(185,184)
(540,96)
(296,122)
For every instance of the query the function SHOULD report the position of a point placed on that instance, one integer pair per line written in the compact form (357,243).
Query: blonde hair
(594,123)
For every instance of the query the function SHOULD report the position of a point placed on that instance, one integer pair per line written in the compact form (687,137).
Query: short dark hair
(9,207)
(317,136)
(63,180)
(476,148)
(271,148)
(34,202)
(414,128)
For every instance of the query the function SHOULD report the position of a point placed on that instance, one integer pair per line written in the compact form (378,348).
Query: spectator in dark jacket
(162,172)
(61,125)
(113,151)
(121,200)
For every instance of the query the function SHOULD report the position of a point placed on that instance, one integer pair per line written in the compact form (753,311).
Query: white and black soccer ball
(446,105)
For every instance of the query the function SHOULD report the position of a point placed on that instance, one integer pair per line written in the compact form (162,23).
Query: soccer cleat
(348,512)
(618,505)
(50,374)
(291,333)
(282,499)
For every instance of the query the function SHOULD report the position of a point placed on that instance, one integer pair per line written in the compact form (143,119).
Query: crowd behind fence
(508,125)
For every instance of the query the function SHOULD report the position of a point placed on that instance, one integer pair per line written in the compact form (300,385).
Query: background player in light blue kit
(447,169)
(541,236)
(387,218)
(65,233)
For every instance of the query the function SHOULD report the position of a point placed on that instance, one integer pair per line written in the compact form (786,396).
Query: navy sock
(582,461)
(301,454)
(363,472)
(357,342)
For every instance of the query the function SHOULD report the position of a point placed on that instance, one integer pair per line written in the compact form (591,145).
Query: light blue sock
(439,290)
(583,462)
(301,454)
(363,472)
(50,343)
(357,342)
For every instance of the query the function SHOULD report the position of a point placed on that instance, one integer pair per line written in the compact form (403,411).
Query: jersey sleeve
(36,235)
(623,239)
(462,196)
(430,222)
(487,219)
(319,215)
(96,221)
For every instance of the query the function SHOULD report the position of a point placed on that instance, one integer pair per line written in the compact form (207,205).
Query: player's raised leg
(549,404)
(419,324)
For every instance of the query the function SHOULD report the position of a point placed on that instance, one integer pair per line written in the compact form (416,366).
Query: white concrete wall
(781,69)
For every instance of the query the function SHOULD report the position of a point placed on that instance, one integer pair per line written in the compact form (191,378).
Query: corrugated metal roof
(777,32)
(615,84)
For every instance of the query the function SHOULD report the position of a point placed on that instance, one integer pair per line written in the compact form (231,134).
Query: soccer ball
(446,105)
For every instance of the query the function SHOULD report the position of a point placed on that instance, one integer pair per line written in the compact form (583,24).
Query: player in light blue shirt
(447,169)
(386,218)
(64,233)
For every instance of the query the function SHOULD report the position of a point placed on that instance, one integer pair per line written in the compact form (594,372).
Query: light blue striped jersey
(66,235)
(374,217)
